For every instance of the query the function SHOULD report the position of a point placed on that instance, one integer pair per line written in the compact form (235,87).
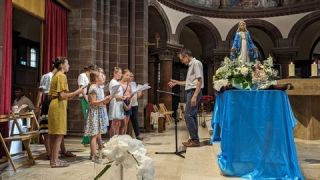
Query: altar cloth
(256,133)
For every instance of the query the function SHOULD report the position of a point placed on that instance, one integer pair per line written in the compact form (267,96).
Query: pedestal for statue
(305,102)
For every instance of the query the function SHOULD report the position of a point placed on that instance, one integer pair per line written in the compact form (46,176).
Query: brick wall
(100,32)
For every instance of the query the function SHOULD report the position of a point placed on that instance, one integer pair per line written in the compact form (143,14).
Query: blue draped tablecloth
(256,133)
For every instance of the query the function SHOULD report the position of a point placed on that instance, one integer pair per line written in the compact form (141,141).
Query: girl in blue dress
(98,121)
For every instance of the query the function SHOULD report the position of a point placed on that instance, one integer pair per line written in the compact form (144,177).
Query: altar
(305,102)
(256,133)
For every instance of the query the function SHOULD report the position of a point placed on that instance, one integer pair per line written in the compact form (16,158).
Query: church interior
(146,37)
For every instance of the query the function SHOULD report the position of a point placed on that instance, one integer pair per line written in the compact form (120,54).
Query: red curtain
(55,33)
(5,97)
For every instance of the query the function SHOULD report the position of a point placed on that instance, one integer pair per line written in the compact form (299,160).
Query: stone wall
(100,32)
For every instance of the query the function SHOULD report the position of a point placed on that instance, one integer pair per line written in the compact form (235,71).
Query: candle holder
(291,70)
(314,70)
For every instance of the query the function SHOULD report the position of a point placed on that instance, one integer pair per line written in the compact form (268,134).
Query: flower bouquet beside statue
(245,75)
(243,70)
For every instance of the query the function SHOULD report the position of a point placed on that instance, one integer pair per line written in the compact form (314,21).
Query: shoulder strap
(88,87)
(126,89)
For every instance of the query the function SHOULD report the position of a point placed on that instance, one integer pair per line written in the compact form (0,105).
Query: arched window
(33,58)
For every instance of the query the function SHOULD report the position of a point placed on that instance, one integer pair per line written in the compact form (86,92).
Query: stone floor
(168,167)
(200,163)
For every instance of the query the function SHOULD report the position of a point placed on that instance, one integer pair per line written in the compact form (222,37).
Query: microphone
(167,92)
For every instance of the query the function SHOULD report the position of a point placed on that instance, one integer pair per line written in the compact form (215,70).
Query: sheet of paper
(114,90)
(141,88)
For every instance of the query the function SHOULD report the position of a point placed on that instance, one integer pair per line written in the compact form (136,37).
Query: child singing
(97,122)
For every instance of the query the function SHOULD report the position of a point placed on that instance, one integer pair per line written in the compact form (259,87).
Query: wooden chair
(160,119)
(24,137)
(167,114)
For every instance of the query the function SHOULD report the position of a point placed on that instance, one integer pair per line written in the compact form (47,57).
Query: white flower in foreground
(146,169)
(129,152)
(117,150)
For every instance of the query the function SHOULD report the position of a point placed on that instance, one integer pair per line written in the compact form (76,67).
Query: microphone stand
(176,152)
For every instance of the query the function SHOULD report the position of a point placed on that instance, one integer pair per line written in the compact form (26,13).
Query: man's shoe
(187,142)
(192,143)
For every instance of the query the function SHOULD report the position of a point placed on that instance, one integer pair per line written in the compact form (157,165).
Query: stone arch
(201,22)
(270,29)
(163,15)
(313,47)
(299,26)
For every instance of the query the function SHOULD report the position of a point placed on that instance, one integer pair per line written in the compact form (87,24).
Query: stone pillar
(102,35)
(152,79)
(88,43)
(132,35)
(141,51)
(124,34)
(82,50)
(218,57)
(210,66)
(106,38)
(114,48)
(284,56)
(166,61)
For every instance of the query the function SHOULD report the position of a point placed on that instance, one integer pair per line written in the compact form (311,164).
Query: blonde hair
(126,71)
(116,69)
(93,76)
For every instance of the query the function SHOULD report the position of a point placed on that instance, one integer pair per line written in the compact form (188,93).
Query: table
(256,133)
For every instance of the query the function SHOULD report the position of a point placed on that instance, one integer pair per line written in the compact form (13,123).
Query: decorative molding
(243,13)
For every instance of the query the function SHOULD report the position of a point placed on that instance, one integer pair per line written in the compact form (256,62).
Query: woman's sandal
(59,164)
(68,154)
(96,159)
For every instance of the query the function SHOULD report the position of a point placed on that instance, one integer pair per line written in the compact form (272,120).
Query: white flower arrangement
(247,75)
(128,152)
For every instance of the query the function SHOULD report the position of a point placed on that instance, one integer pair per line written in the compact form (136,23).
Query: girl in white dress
(116,111)
(127,92)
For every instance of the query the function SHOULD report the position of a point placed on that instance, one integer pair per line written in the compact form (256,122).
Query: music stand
(176,152)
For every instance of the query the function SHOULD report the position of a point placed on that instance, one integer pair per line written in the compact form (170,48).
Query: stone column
(152,79)
(210,74)
(284,56)
(141,51)
(82,50)
(88,43)
(166,61)
(218,57)
(114,41)
(124,34)
(132,35)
